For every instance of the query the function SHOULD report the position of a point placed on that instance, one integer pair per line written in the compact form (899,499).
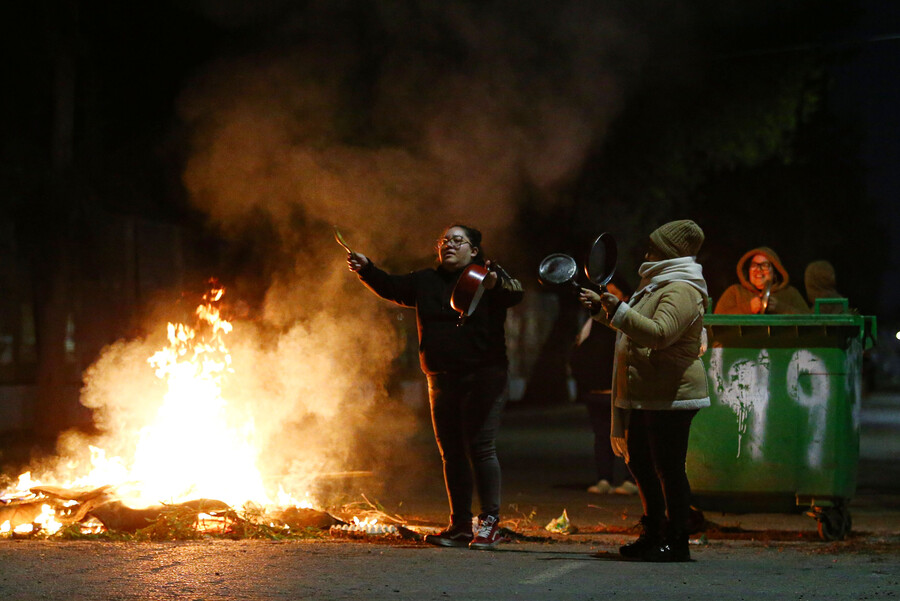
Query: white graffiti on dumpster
(808,384)
(745,389)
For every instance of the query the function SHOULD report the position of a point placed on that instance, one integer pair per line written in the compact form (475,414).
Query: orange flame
(198,445)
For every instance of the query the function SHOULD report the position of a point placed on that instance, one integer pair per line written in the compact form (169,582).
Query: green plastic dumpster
(782,431)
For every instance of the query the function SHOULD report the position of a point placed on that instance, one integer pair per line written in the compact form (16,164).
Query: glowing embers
(44,521)
(365,526)
(44,510)
(76,514)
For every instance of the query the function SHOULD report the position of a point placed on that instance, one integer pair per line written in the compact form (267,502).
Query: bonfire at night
(199,452)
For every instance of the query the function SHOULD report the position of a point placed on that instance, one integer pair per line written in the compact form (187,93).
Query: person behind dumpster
(821,282)
(659,383)
(591,367)
(764,287)
(466,367)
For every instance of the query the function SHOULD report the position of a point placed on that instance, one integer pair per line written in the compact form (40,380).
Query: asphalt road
(350,570)
(546,457)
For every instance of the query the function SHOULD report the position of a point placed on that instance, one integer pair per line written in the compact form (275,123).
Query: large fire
(198,446)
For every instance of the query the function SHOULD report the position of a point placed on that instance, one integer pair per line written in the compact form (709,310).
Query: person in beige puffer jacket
(659,383)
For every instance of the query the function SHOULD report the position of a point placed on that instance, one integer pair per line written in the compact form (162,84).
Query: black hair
(474,237)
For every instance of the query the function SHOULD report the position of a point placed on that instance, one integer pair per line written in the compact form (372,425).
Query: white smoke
(460,108)
(393,126)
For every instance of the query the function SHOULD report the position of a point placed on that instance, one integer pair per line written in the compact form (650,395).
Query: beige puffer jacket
(658,363)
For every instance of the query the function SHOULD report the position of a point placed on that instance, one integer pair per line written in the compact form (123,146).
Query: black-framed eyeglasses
(452,242)
(761,266)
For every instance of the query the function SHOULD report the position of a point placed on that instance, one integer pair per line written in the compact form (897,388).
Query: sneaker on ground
(626,488)
(488,535)
(452,536)
(601,488)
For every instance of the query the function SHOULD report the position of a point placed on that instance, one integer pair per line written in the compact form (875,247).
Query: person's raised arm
(400,289)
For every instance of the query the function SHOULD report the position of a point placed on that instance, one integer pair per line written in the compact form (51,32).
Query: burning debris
(46,509)
(49,511)
(365,526)
(198,453)
(373,524)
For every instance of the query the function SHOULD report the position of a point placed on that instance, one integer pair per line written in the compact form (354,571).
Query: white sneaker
(626,488)
(601,488)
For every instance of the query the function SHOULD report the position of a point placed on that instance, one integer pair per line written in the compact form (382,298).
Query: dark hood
(820,281)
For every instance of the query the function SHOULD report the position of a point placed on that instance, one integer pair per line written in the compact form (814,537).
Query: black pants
(465,413)
(657,448)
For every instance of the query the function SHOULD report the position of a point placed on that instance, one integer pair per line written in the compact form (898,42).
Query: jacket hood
(743,269)
(820,281)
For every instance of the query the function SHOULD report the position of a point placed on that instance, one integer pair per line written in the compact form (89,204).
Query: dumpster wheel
(834,522)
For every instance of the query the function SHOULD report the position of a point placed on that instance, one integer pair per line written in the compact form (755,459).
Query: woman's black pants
(657,448)
(465,413)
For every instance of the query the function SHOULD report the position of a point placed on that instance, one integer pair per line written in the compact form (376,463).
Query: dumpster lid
(865,325)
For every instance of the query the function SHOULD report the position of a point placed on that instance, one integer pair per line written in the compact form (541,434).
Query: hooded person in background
(659,383)
(821,282)
(763,288)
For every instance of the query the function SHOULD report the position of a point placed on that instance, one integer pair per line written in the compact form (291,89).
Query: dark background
(769,123)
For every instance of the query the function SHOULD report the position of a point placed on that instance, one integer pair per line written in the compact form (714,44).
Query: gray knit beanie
(680,238)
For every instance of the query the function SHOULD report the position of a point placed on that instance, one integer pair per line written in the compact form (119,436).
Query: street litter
(561,525)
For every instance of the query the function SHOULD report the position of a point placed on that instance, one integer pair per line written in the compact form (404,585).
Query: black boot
(649,539)
(673,547)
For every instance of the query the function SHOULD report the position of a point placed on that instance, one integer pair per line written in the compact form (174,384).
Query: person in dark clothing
(466,366)
(591,366)
(821,282)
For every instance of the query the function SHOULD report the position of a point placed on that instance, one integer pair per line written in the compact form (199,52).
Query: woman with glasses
(763,287)
(466,366)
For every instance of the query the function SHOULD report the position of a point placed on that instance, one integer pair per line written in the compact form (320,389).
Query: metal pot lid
(557,269)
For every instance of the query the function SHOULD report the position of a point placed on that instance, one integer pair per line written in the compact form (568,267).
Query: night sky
(157,83)
(867,89)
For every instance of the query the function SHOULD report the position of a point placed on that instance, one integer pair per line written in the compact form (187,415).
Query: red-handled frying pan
(468,290)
